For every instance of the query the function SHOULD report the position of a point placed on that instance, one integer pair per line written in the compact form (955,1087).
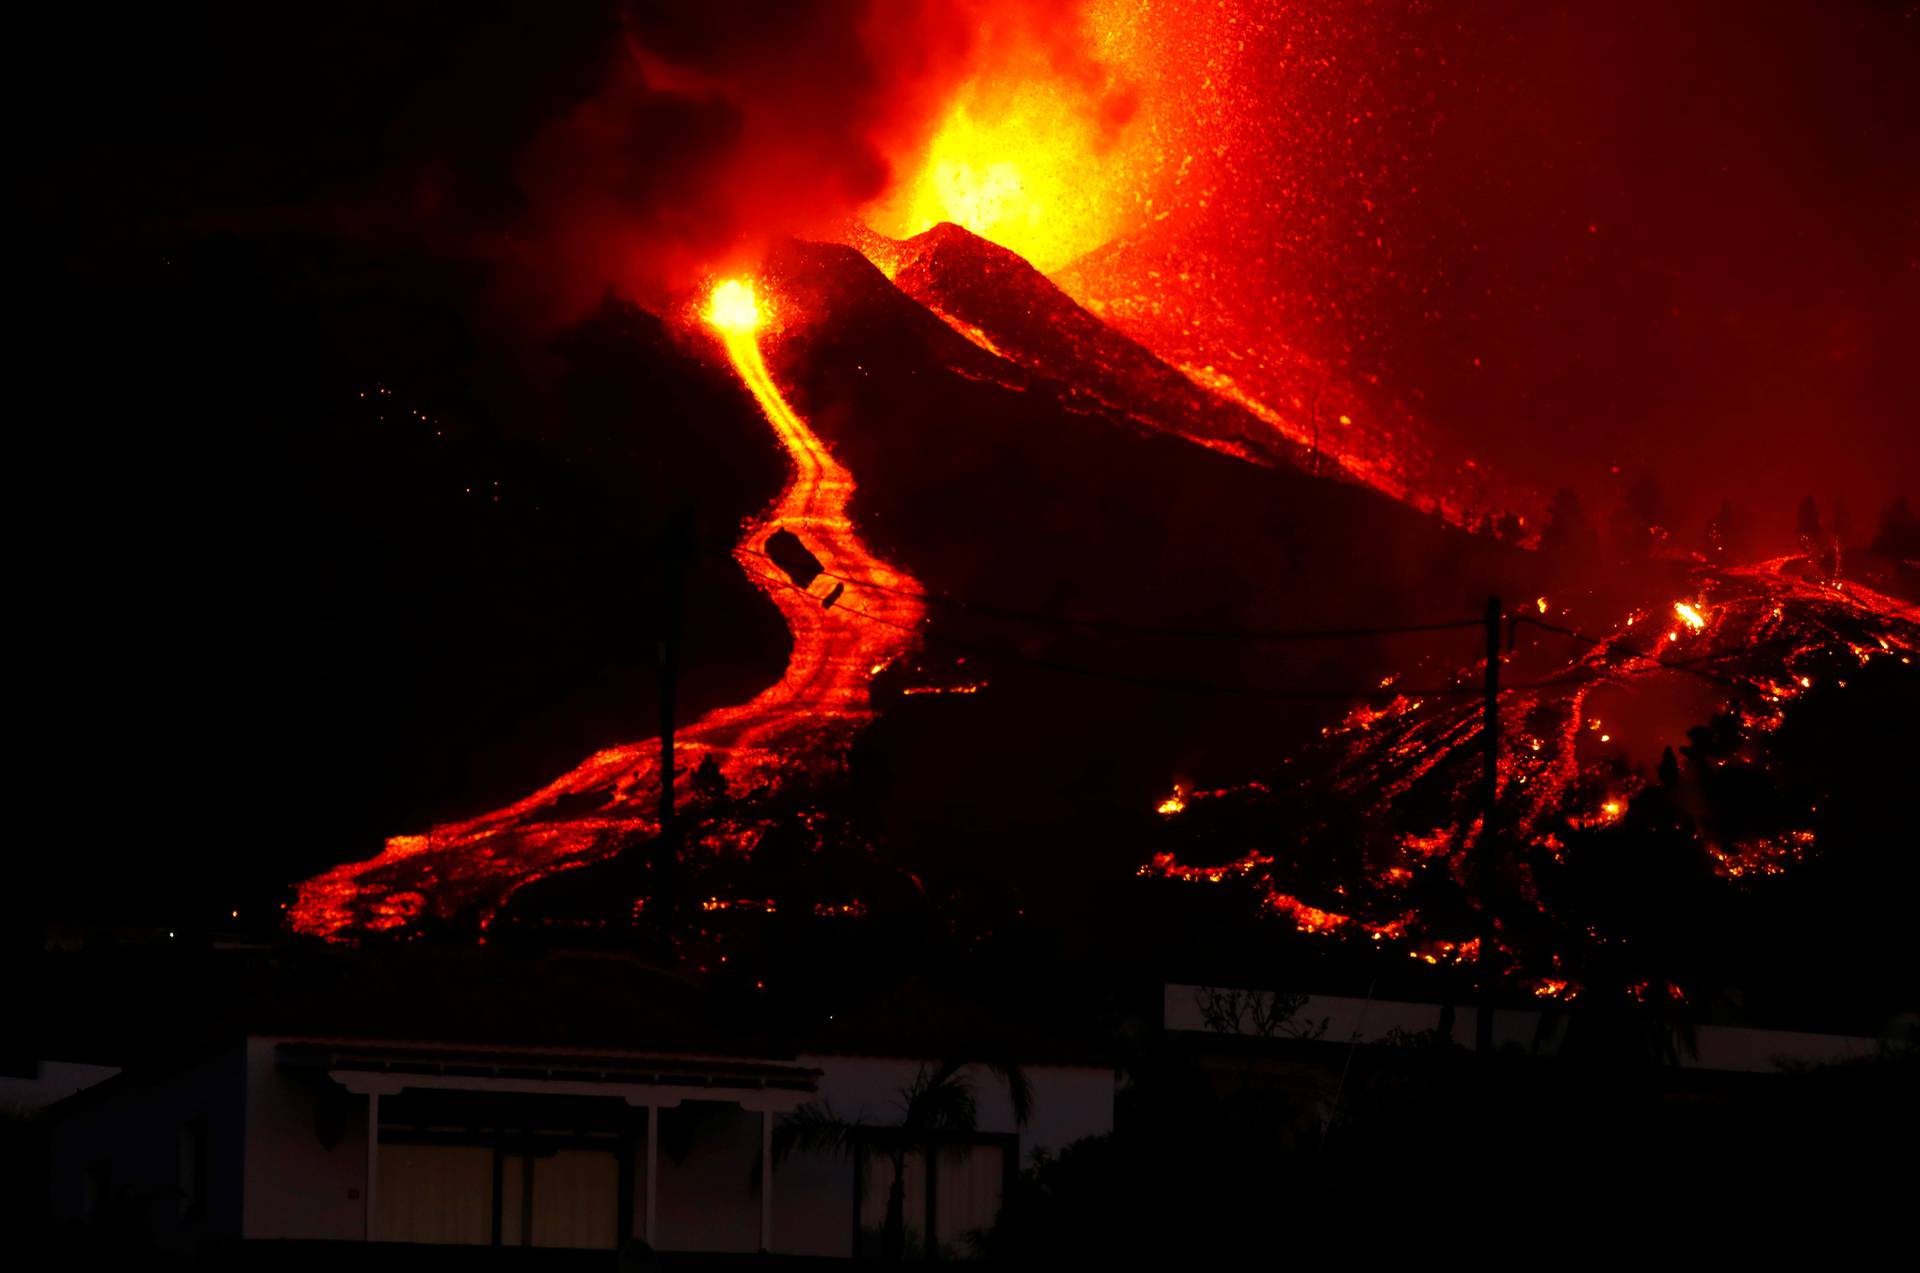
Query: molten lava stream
(794,725)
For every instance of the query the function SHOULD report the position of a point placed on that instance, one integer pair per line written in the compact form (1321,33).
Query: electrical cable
(1144,629)
(1214,688)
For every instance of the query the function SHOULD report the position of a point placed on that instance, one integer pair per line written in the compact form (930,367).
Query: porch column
(373,1158)
(653,1161)
(766,1180)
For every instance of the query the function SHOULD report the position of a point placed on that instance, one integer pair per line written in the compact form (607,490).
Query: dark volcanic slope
(1001,302)
(1004,490)
(330,558)
(1002,485)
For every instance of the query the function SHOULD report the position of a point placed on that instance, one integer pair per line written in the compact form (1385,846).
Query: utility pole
(1314,412)
(1490,796)
(676,548)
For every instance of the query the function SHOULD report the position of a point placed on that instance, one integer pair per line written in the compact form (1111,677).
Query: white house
(291,1139)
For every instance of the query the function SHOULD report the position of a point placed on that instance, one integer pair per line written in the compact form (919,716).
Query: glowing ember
(1308,919)
(1690,616)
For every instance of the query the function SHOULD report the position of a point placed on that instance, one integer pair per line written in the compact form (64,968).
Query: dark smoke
(577,148)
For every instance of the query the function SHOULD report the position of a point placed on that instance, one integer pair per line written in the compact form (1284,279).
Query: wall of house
(128,1135)
(709,1200)
(45,1082)
(298,1186)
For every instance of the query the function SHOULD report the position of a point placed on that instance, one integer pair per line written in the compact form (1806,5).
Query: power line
(1182,685)
(1142,629)
(1614,645)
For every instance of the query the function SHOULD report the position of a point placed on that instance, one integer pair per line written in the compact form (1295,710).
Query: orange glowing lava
(733,307)
(797,725)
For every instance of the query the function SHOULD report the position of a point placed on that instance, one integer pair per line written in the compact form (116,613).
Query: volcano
(970,442)
(997,665)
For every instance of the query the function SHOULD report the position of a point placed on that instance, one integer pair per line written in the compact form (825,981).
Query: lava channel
(796,726)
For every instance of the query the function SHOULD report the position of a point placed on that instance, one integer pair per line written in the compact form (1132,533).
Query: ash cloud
(665,142)
(571,149)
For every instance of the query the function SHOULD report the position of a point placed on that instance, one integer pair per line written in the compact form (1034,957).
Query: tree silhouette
(939,1102)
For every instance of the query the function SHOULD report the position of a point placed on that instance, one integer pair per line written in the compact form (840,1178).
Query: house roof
(719,1074)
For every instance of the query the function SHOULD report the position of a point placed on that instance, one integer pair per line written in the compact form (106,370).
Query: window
(463,1191)
(435,1193)
(563,1198)
(192,1171)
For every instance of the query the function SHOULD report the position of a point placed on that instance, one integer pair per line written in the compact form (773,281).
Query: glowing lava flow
(1762,635)
(467,869)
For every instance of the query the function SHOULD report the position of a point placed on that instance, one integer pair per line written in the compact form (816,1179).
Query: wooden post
(373,1158)
(653,1164)
(664,884)
(1490,798)
(766,1180)
(672,584)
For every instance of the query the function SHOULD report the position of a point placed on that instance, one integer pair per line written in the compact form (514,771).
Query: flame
(1174,803)
(1690,616)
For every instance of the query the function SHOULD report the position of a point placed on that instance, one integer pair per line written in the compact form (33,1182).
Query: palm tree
(938,1102)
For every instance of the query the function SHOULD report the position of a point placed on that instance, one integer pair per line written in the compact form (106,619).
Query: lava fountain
(856,616)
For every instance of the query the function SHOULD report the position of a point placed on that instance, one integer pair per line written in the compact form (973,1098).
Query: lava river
(467,869)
